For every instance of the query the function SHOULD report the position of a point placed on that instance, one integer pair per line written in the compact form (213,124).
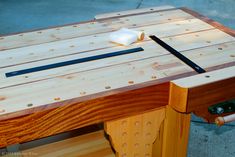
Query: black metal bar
(178,54)
(71,62)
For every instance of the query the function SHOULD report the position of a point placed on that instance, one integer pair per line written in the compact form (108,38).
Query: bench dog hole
(107,87)
(29,105)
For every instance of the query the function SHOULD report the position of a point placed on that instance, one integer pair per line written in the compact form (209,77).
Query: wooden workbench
(143,98)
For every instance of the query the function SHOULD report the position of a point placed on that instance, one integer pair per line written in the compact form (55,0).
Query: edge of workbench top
(185,9)
(129,88)
(87,21)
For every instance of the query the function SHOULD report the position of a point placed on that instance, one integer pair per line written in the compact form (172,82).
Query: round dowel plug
(219,121)
(141,36)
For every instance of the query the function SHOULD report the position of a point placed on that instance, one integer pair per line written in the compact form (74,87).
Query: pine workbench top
(202,40)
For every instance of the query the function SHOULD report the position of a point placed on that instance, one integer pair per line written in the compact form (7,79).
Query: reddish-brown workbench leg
(175,133)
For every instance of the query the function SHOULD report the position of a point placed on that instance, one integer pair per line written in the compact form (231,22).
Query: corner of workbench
(178,97)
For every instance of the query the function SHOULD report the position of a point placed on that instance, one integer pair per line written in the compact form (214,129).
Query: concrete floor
(206,140)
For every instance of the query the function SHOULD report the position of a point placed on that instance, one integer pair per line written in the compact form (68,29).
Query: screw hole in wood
(29,105)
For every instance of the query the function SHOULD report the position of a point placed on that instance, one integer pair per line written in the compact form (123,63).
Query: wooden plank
(49,35)
(206,78)
(148,52)
(77,114)
(181,43)
(150,19)
(134,11)
(89,43)
(85,84)
(89,28)
(210,21)
(158,67)
(176,133)
(88,145)
(197,93)
(217,55)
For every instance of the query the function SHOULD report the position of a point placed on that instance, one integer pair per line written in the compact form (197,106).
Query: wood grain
(87,28)
(176,133)
(90,43)
(203,97)
(51,84)
(76,115)
(88,145)
(56,116)
(197,93)
(157,145)
(135,135)
(210,21)
(139,71)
